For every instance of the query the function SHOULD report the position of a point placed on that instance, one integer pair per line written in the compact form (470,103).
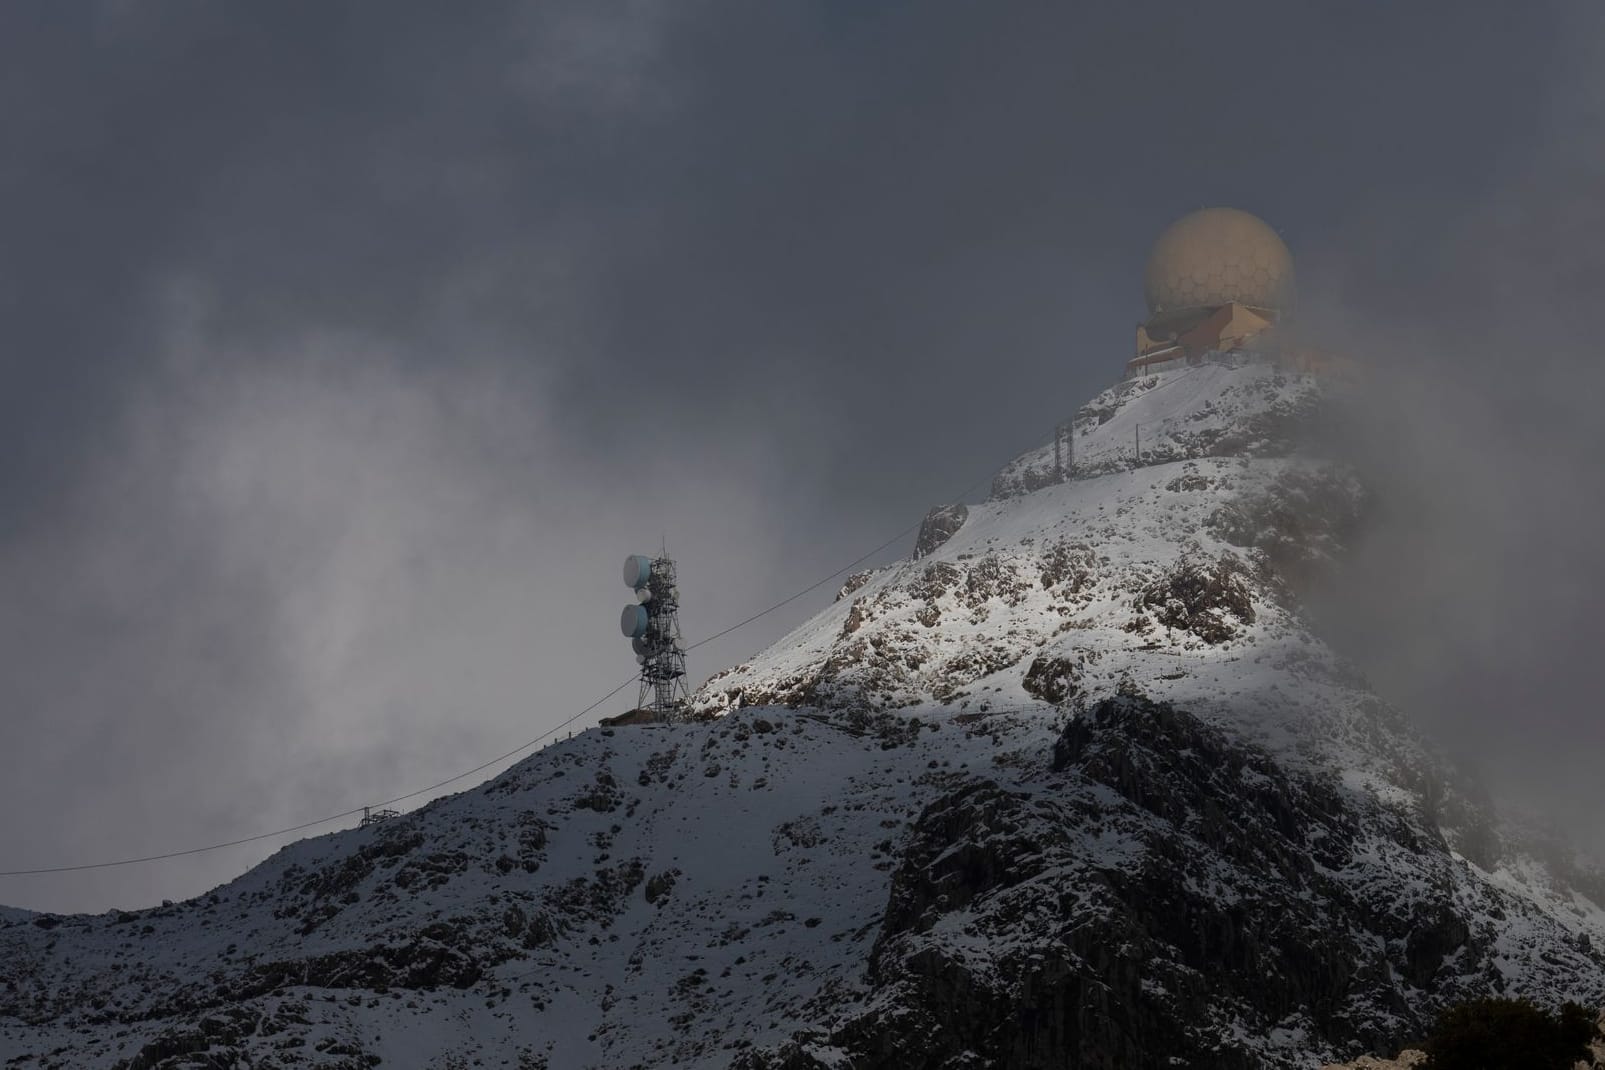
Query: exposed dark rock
(935,581)
(210,1042)
(1013,482)
(1050,679)
(1068,565)
(659,885)
(1211,599)
(440,954)
(939,525)
(603,795)
(854,582)
(1175,879)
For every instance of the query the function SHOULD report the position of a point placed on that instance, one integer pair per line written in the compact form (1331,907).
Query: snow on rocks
(1182,568)
(1208,410)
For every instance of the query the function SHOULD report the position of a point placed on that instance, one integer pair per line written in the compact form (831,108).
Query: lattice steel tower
(652,625)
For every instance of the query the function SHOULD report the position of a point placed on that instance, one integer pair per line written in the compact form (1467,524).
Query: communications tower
(652,625)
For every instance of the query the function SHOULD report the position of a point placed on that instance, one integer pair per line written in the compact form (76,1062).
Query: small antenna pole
(1058,459)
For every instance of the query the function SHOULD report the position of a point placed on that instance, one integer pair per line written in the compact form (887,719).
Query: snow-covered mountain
(1075,786)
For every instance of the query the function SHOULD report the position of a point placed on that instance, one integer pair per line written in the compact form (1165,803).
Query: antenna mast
(652,625)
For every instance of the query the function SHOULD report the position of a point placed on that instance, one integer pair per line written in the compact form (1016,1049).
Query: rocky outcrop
(1051,679)
(1171,879)
(853,583)
(939,525)
(1210,599)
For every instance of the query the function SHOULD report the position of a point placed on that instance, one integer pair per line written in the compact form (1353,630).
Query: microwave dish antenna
(651,622)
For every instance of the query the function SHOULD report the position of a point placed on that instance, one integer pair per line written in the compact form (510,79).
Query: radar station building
(1218,281)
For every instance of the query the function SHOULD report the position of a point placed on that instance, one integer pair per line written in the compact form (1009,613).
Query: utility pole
(1136,431)
(1064,451)
(1064,435)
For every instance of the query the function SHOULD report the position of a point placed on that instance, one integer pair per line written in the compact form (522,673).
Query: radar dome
(1218,255)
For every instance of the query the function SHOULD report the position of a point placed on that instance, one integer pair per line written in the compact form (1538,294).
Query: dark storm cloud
(330,333)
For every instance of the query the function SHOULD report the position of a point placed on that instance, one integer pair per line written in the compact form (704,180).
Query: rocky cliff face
(1170,897)
(1075,787)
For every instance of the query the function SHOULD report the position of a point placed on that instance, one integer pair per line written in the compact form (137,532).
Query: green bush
(1510,1034)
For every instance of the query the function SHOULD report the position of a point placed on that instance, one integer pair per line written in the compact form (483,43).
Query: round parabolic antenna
(632,622)
(641,646)
(1215,256)
(637,570)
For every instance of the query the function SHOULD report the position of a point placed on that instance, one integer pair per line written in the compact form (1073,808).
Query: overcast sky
(348,348)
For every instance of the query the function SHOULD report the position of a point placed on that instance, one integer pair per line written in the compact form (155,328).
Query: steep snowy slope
(1076,788)
(1174,574)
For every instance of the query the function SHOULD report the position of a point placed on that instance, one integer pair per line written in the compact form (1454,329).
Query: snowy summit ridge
(1077,786)
(1163,572)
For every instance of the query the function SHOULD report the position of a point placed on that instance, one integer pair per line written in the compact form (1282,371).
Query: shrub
(1510,1034)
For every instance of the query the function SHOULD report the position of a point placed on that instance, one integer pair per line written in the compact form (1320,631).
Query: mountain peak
(1170,566)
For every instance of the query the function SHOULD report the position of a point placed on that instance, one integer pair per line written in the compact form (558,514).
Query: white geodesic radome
(1217,255)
